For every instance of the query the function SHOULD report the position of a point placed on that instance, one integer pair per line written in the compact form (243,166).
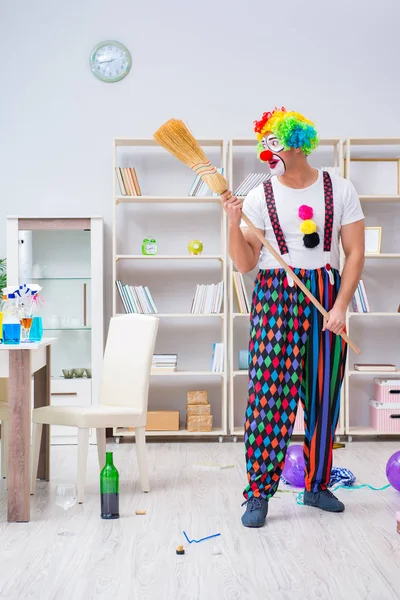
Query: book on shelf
(359,301)
(128,181)
(375,367)
(200,188)
(208,298)
(217,359)
(241,294)
(136,299)
(251,181)
(164,362)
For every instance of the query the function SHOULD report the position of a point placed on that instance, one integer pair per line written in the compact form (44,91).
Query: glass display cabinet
(65,257)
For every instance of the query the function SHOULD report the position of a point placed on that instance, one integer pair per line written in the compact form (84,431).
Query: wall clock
(110,61)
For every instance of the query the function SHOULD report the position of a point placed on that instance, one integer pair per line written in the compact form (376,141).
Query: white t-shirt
(347,209)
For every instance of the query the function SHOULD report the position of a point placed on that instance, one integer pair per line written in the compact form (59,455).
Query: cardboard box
(197,397)
(162,420)
(198,409)
(199,423)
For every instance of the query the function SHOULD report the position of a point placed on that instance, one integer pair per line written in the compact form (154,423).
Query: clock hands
(102,62)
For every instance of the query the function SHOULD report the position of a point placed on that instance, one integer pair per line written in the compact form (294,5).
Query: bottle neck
(109,458)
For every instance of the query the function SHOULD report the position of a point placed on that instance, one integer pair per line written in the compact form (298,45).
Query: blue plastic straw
(202,539)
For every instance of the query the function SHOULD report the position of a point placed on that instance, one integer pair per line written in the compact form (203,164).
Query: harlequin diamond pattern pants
(291,359)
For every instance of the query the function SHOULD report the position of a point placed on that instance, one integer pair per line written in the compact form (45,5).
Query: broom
(175,137)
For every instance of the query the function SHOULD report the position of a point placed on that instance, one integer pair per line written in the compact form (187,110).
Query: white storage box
(387,390)
(380,416)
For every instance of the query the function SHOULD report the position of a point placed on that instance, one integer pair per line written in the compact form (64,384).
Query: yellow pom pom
(308,227)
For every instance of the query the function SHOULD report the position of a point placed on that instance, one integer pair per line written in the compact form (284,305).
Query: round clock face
(110,61)
(151,248)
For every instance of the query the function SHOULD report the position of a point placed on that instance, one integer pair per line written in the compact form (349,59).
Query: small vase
(36,332)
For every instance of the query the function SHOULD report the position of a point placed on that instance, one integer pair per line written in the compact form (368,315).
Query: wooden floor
(302,553)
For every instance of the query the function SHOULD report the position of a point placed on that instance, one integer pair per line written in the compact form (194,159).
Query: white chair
(123,397)
(4,438)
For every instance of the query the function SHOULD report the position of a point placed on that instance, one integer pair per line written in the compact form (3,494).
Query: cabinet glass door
(59,261)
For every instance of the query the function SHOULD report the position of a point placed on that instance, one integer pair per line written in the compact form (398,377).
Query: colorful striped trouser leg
(291,359)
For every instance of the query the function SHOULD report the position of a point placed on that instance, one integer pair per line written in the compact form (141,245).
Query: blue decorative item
(36,332)
(342,476)
(11,333)
(243,359)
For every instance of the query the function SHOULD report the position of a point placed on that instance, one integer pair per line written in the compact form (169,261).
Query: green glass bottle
(109,489)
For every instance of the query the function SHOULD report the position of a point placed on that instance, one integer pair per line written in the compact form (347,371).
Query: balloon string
(300,495)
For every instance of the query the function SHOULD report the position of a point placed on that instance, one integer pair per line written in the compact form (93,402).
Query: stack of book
(241,294)
(198,412)
(217,362)
(136,299)
(251,181)
(128,181)
(164,362)
(200,188)
(208,298)
(360,302)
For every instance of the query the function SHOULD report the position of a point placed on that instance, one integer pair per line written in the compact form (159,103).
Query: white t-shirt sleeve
(254,208)
(352,210)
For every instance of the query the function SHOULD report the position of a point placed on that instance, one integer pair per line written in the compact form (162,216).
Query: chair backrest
(127,361)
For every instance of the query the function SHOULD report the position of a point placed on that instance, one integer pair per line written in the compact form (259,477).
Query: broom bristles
(175,137)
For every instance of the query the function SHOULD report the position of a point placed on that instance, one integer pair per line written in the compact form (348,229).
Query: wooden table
(18,363)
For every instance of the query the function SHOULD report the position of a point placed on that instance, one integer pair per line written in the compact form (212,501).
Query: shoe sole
(253,526)
(337,510)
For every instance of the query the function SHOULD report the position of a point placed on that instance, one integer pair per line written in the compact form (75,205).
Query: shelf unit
(171,216)
(72,289)
(242,159)
(373,165)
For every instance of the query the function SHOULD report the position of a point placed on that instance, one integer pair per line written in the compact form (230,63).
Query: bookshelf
(373,165)
(173,217)
(242,159)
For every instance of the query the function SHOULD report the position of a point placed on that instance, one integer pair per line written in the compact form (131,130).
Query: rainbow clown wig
(291,128)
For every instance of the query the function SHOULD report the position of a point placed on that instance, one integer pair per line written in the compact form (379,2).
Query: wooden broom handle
(295,278)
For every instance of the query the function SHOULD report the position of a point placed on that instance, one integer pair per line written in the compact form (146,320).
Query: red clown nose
(266,155)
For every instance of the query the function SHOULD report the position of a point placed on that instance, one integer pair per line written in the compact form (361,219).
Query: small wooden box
(199,423)
(162,420)
(198,409)
(197,397)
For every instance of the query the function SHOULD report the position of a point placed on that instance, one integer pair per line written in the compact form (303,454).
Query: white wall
(218,65)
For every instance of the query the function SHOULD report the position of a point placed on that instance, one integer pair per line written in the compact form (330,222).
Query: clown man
(295,353)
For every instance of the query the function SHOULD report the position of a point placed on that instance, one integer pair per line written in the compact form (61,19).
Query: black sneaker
(256,512)
(324,499)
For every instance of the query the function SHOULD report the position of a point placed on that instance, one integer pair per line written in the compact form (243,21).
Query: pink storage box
(380,417)
(387,390)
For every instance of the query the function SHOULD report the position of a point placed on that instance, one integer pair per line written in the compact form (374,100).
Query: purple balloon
(393,470)
(293,470)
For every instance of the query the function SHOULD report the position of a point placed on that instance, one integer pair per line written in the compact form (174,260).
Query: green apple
(195,247)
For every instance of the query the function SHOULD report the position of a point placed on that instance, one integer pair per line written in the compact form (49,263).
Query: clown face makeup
(272,146)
